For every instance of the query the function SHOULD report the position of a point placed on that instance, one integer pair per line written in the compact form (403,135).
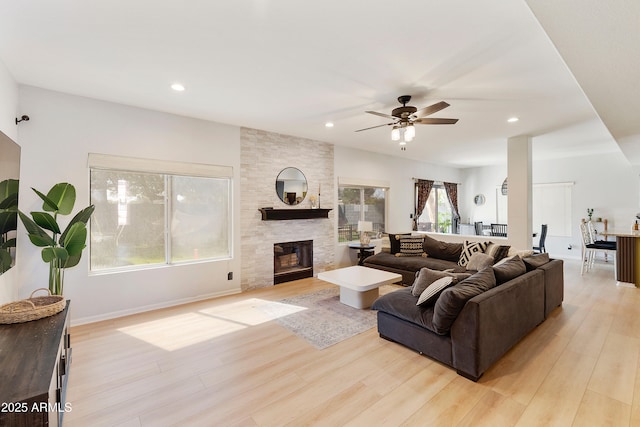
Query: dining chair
(499,230)
(590,248)
(543,236)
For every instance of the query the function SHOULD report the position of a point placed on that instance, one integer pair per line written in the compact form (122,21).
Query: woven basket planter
(32,308)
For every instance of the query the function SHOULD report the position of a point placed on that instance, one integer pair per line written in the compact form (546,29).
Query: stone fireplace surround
(262,156)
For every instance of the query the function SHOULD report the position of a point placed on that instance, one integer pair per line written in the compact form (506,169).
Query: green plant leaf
(75,238)
(8,221)
(81,217)
(5,261)
(72,261)
(37,235)
(11,243)
(11,201)
(46,221)
(49,205)
(64,197)
(8,187)
(49,254)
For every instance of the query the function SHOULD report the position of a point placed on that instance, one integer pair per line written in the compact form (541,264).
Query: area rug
(320,318)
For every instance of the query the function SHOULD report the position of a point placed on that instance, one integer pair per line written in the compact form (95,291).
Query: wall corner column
(520,190)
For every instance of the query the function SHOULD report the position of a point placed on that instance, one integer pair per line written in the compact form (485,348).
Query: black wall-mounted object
(270,214)
(24,118)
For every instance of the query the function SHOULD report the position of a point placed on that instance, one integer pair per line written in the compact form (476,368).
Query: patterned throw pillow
(468,249)
(394,241)
(498,252)
(431,293)
(410,246)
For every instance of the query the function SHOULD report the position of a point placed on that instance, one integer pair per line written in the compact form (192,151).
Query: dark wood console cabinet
(34,367)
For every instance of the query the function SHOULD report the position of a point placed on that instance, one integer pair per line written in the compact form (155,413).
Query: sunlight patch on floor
(183,330)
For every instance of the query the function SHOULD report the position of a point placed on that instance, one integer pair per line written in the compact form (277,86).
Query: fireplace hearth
(292,261)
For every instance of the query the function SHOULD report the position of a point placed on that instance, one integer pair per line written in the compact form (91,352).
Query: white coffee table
(359,285)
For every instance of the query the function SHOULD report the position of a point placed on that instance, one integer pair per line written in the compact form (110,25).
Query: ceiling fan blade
(431,109)
(373,127)
(381,114)
(435,121)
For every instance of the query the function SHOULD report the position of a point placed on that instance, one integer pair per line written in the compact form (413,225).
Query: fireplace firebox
(292,261)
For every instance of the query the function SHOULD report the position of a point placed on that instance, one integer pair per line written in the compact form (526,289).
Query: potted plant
(8,221)
(61,249)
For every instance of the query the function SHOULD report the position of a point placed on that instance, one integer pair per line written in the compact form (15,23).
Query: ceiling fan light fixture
(409,133)
(395,134)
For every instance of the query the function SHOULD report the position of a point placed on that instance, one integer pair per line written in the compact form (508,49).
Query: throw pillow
(498,252)
(410,246)
(424,277)
(509,270)
(468,249)
(433,290)
(534,261)
(394,241)
(520,252)
(452,300)
(442,250)
(479,261)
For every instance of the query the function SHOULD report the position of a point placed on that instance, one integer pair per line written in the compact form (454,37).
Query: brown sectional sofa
(489,323)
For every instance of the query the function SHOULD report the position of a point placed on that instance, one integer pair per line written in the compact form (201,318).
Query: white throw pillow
(433,290)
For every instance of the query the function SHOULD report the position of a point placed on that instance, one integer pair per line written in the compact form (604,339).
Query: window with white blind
(156,213)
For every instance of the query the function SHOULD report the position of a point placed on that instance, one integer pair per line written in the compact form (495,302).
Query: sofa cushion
(402,304)
(426,276)
(534,261)
(410,246)
(479,261)
(497,251)
(410,264)
(394,241)
(452,300)
(509,269)
(468,249)
(431,293)
(442,250)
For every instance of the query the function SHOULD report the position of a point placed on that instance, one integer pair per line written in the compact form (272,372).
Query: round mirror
(479,199)
(291,186)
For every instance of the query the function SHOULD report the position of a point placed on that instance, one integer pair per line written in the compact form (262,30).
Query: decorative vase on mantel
(313,201)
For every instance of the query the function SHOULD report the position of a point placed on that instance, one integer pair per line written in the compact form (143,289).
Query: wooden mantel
(270,214)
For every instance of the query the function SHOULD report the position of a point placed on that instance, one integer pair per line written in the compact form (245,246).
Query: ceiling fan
(406,116)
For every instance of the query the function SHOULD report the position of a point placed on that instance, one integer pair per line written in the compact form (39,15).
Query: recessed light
(513,119)
(328,125)
(177,87)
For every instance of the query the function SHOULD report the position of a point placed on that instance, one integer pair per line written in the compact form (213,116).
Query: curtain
(423,188)
(452,194)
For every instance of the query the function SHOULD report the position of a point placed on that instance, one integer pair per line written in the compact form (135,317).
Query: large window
(360,203)
(149,218)
(437,215)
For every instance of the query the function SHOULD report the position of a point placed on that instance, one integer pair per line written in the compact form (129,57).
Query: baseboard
(150,307)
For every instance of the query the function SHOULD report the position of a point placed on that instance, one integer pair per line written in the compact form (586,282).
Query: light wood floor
(221,363)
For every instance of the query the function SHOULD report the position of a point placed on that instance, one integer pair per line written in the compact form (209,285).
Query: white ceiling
(289,66)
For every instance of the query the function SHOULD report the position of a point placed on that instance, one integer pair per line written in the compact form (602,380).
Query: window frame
(362,186)
(168,170)
(438,187)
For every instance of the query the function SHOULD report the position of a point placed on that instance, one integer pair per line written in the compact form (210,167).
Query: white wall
(8,113)
(55,143)
(604,182)
(399,173)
